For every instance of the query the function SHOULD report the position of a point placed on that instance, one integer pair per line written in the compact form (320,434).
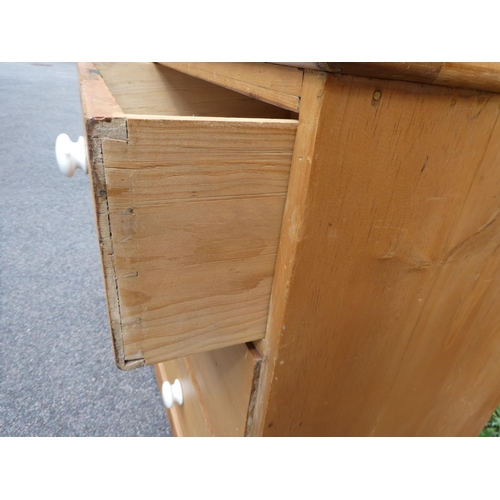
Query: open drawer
(189,182)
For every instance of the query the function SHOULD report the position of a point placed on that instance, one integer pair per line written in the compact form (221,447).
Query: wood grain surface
(385,307)
(188,211)
(148,88)
(295,211)
(188,419)
(195,207)
(470,75)
(226,379)
(104,119)
(218,386)
(270,83)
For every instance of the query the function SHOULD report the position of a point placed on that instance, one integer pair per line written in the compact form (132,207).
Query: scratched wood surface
(278,85)
(195,208)
(385,310)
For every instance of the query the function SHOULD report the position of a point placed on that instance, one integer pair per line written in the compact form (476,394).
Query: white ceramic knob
(70,155)
(172,393)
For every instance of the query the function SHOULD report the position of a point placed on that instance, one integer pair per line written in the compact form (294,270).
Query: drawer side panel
(195,209)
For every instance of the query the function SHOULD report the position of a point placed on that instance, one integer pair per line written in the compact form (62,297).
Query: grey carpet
(57,372)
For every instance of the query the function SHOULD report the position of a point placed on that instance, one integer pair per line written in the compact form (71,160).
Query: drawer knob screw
(172,393)
(70,155)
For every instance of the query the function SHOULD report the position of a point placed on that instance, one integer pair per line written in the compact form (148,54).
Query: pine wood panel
(103,119)
(148,88)
(187,419)
(194,257)
(188,211)
(384,313)
(295,210)
(220,390)
(271,83)
(470,75)
(227,379)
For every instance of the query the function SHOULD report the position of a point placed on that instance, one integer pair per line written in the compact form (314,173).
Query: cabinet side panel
(391,324)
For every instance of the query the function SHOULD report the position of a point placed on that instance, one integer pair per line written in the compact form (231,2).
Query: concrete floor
(57,372)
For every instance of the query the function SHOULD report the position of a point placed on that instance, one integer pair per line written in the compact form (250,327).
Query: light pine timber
(187,419)
(275,84)
(104,119)
(219,387)
(470,75)
(295,210)
(188,211)
(195,206)
(149,88)
(384,315)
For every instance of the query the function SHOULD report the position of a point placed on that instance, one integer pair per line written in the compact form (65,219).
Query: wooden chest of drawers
(310,249)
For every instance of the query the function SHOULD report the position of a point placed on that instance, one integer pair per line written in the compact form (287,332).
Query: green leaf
(492,428)
(487,432)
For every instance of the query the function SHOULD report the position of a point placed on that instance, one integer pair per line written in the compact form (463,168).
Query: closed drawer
(189,183)
(219,391)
